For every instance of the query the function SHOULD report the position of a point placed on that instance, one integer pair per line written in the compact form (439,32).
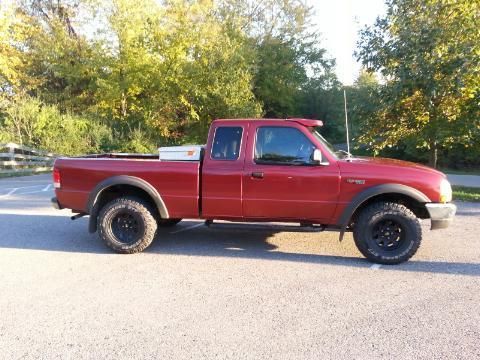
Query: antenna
(346,121)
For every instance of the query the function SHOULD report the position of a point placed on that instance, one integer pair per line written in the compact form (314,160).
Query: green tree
(363,101)
(172,68)
(288,59)
(428,52)
(29,122)
(156,71)
(15,33)
(56,54)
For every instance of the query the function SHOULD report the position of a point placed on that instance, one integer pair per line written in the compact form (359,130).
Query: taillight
(56,179)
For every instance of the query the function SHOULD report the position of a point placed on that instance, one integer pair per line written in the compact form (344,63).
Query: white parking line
(20,192)
(31,192)
(9,193)
(375,266)
(25,187)
(26,190)
(187,228)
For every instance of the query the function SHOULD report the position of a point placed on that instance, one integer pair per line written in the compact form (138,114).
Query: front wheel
(127,225)
(387,233)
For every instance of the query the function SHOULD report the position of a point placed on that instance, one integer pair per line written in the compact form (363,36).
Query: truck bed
(177,182)
(118,156)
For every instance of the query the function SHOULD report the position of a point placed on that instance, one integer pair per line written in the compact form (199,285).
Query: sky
(339,22)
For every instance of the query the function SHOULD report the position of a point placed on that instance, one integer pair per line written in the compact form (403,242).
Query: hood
(389,163)
(377,171)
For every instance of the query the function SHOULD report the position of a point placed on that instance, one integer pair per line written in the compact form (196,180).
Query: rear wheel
(387,233)
(127,225)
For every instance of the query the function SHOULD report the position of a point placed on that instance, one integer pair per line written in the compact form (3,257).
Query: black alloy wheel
(127,225)
(387,233)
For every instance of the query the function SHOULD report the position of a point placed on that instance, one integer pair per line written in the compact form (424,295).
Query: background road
(229,291)
(464,180)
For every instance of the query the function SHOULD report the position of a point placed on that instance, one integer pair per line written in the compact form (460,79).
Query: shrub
(25,120)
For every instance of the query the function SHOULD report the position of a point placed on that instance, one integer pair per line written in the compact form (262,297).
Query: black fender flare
(92,203)
(366,194)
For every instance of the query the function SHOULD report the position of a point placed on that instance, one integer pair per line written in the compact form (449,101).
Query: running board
(302,227)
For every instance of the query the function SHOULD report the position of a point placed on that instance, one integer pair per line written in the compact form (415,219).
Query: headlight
(445,191)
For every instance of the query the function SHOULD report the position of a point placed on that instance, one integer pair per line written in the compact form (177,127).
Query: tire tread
(380,209)
(146,213)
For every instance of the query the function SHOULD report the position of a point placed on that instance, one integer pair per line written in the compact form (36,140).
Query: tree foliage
(158,72)
(428,53)
(28,121)
(132,75)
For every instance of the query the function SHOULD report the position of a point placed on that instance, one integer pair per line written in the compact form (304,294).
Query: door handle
(257,175)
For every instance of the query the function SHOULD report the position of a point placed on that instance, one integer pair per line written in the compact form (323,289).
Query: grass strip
(466,193)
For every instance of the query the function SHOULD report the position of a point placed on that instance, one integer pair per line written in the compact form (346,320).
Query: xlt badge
(356,181)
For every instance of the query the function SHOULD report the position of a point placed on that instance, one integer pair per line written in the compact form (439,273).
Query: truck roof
(304,122)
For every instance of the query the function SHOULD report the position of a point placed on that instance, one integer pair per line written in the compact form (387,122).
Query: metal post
(346,120)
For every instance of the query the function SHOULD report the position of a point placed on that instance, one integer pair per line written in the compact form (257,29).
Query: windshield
(329,147)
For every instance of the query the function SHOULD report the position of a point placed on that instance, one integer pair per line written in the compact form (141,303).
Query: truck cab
(264,170)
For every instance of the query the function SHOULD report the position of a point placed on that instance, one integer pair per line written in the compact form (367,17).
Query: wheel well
(115,191)
(418,208)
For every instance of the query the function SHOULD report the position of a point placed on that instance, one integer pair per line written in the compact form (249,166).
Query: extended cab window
(282,145)
(226,143)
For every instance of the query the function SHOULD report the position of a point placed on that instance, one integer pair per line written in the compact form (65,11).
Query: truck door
(222,170)
(281,181)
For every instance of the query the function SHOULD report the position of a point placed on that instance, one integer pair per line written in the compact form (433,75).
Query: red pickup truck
(258,170)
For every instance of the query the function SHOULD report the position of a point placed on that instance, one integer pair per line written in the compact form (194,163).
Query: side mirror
(317,157)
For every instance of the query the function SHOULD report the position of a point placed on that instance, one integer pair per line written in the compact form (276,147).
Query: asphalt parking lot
(228,291)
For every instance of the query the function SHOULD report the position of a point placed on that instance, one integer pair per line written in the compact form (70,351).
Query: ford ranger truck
(258,170)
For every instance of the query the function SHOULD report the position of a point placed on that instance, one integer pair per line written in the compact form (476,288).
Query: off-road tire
(381,215)
(137,212)
(168,222)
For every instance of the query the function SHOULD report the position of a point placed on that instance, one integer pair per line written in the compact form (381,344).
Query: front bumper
(441,215)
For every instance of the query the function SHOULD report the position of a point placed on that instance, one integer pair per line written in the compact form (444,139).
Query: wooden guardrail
(16,158)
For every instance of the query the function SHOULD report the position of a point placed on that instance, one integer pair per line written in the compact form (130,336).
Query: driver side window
(282,145)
